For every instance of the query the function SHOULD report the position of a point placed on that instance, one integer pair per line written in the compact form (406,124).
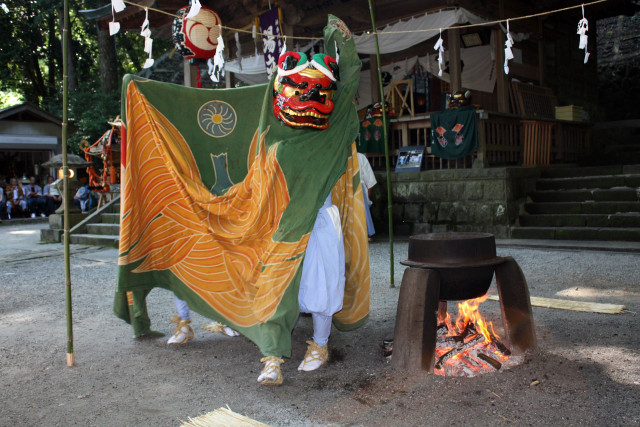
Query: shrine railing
(503,140)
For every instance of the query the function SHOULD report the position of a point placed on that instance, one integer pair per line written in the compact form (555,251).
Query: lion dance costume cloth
(219,199)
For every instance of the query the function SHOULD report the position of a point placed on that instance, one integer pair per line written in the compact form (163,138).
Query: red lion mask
(303,89)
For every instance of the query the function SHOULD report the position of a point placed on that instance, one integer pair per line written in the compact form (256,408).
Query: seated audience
(83,196)
(3,199)
(35,202)
(52,196)
(16,202)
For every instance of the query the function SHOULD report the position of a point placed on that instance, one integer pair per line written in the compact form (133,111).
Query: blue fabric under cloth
(371,230)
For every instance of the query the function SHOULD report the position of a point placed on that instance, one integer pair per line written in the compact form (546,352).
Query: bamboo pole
(386,146)
(65,182)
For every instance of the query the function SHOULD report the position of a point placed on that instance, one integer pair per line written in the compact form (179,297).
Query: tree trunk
(71,64)
(32,67)
(108,62)
(51,56)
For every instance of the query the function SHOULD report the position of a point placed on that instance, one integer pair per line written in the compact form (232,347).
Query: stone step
(631,169)
(567,172)
(630,220)
(51,234)
(620,194)
(581,207)
(111,218)
(613,158)
(95,240)
(104,229)
(589,182)
(576,233)
(631,147)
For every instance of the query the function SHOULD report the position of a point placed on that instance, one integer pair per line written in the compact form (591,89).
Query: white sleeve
(366,173)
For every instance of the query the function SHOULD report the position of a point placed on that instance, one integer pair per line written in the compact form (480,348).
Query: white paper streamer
(583,27)
(195,9)
(438,46)
(4,7)
(145,31)
(238,50)
(118,5)
(254,32)
(218,61)
(148,43)
(337,52)
(114,26)
(508,53)
(284,47)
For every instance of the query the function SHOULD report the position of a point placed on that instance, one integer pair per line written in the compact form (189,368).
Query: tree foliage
(31,54)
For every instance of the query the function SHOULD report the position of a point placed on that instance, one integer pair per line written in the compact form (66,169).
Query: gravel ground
(588,365)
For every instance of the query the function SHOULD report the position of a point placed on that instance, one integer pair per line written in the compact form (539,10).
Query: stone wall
(487,200)
(619,67)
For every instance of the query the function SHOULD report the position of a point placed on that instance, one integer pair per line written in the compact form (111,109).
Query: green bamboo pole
(386,147)
(65,182)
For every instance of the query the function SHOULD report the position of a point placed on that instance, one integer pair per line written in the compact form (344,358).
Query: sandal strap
(214,327)
(217,327)
(271,367)
(180,323)
(322,352)
(271,359)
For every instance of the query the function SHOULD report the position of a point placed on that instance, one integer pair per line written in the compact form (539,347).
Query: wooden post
(404,127)
(481,161)
(541,53)
(375,83)
(517,317)
(414,340)
(502,81)
(187,72)
(455,66)
(288,31)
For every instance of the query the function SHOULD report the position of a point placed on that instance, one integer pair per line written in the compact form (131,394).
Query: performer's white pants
(321,328)
(182,308)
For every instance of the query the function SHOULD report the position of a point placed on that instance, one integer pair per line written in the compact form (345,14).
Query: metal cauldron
(465,261)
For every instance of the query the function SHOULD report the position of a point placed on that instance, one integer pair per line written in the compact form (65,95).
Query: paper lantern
(196,37)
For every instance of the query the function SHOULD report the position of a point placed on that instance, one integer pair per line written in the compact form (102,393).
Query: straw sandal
(183,332)
(221,328)
(315,357)
(271,373)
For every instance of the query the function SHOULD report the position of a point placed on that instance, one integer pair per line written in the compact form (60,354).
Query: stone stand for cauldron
(449,267)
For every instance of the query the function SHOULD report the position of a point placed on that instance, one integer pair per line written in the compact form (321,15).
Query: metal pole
(65,182)
(386,147)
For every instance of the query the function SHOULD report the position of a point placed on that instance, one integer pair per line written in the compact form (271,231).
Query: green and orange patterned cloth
(219,199)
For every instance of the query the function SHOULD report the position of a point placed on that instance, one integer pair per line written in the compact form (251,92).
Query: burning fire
(468,345)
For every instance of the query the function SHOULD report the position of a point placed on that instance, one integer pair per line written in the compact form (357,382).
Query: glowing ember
(468,346)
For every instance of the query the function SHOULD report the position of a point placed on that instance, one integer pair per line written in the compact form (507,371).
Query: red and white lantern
(196,37)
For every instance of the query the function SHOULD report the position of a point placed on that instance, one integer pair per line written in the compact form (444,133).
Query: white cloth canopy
(253,79)
(390,43)
(250,65)
(479,71)
(250,70)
